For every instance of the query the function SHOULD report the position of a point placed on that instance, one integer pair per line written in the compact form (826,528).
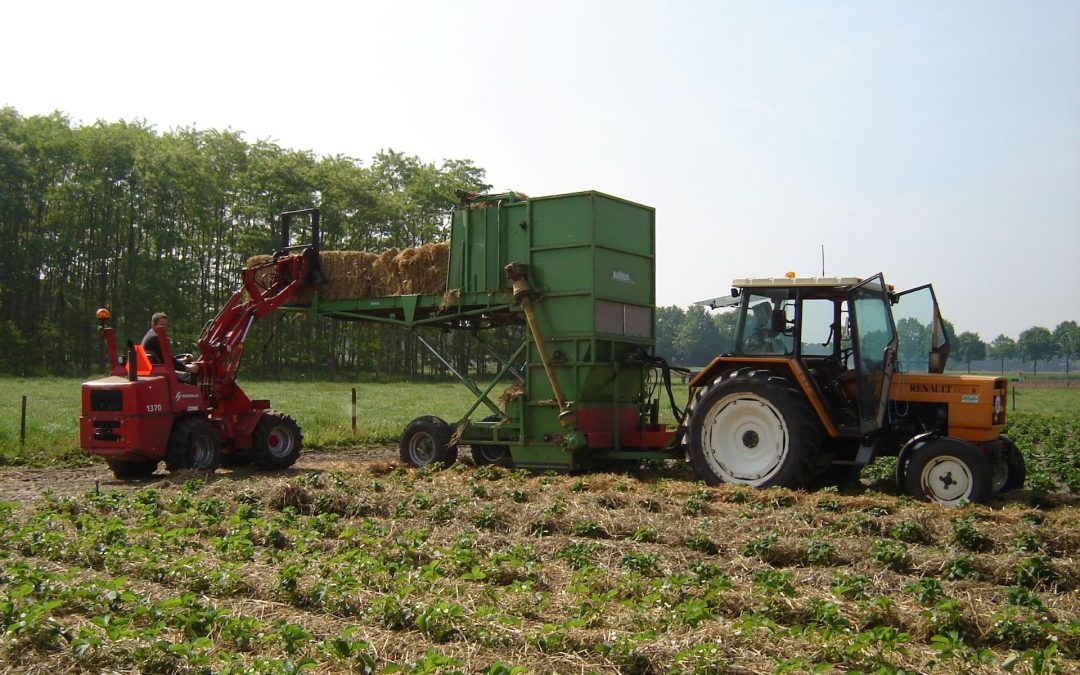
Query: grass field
(323,409)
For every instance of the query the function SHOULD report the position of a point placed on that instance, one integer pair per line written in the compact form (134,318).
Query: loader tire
(193,444)
(753,428)
(427,440)
(133,470)
(276,442)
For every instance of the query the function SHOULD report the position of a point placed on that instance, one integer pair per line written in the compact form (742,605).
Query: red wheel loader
(143,413)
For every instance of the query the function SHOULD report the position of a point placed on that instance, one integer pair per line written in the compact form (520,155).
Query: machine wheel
(754,428)
(948,471)
(136,469)
(426,440)
(491,454)
(276,441)
(1009,470)
(193,444)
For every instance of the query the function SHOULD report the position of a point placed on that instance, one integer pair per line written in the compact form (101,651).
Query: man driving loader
(185,370)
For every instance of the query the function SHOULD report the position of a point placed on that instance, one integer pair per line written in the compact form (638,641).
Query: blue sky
(930,141)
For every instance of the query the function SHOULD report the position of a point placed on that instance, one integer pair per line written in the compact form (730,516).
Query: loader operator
(152,346)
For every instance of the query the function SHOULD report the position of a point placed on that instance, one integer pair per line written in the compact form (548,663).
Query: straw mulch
(360,274)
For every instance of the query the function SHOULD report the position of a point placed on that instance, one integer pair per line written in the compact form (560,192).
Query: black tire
(1008,470)
(193,444)
(426,440)
(276,441)
(753,428)
(491,454)
(948,471)
(133,470)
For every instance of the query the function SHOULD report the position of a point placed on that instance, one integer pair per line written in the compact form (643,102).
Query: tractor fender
(790,369)
(904,456)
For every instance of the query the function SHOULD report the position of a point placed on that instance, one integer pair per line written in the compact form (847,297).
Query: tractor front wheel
(753,428)
(193,444)
(276,441)
(950,472)
(427,440)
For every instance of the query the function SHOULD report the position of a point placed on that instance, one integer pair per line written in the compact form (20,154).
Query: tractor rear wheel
(276,441)
(948,471)
(1009,470)
(753,428)
(193,444)
(133,470)
(427,440)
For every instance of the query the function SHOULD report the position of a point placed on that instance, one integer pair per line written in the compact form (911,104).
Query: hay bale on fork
(360,274)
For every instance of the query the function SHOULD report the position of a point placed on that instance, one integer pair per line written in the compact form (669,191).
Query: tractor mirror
(937,362)
(779,321)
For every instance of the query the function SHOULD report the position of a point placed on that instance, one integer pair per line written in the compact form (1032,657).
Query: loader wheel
(491,454)
(276,441)
(752,427)
(193,444)
(948,471)
(133,470)
(426,440)
(1008,468)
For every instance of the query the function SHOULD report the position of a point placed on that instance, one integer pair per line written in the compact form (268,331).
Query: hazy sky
(931,141)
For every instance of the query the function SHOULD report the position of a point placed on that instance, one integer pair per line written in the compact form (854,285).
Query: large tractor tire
(133,470)
(276,441)
(427,440)
(491,454)
(950,472)
(753,428)
(1008,470)
(193,444)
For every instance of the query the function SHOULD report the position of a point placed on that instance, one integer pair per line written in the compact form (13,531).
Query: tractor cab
(836,335)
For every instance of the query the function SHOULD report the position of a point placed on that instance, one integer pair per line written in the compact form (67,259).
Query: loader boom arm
(266,286)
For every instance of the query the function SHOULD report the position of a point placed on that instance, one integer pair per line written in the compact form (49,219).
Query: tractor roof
(791,282)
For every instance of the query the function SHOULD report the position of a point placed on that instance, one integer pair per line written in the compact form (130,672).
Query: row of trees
(692,337)
(119,215)
(122,216)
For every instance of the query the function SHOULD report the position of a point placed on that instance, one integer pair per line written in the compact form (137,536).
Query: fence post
(354,409)
(1014,398)
(22,425)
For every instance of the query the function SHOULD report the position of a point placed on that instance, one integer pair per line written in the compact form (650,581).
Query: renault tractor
(828,374)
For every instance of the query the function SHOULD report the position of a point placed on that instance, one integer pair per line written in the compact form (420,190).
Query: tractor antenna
(823,260)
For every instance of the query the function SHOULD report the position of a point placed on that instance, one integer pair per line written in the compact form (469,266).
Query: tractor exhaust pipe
(132,365)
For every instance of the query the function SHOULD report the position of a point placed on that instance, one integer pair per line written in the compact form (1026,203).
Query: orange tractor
(826,375)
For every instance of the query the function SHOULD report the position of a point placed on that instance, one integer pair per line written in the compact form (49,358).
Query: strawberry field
(358,564)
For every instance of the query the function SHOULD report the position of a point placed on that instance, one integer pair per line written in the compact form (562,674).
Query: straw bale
(360,274)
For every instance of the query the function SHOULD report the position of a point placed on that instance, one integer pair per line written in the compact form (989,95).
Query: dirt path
(24,485)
